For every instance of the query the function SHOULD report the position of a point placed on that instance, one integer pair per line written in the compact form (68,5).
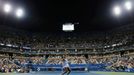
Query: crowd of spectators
(37,43)
(114,62)
(7,65)
(21,63)
(72,60)
(31,42)
(76,40)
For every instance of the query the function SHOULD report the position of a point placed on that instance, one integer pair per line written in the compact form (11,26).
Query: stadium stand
(104,51)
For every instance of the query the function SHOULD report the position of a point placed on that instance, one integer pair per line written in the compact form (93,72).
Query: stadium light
(128,5)
(19,12)
(117,10)
(7,8)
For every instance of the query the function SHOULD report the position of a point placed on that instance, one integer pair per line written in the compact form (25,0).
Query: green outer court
(73,73)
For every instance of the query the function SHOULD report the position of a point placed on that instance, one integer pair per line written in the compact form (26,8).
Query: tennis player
(66,67)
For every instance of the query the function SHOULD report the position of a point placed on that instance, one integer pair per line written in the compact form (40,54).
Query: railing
(76,67)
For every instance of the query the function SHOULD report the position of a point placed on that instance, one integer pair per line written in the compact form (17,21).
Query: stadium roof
(49,15)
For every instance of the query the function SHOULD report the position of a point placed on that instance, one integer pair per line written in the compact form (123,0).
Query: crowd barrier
(75,67)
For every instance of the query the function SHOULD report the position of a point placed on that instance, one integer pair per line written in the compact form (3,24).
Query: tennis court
(73,73)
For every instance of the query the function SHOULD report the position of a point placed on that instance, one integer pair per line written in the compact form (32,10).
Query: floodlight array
(8,8)
(118,9)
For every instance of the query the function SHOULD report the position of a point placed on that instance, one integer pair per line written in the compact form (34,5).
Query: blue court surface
(59,73)
(73,73)
(50,73)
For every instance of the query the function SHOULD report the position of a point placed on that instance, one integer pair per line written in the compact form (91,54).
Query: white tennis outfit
(65,63)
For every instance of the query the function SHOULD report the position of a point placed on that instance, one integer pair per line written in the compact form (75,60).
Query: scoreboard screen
(68,27)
